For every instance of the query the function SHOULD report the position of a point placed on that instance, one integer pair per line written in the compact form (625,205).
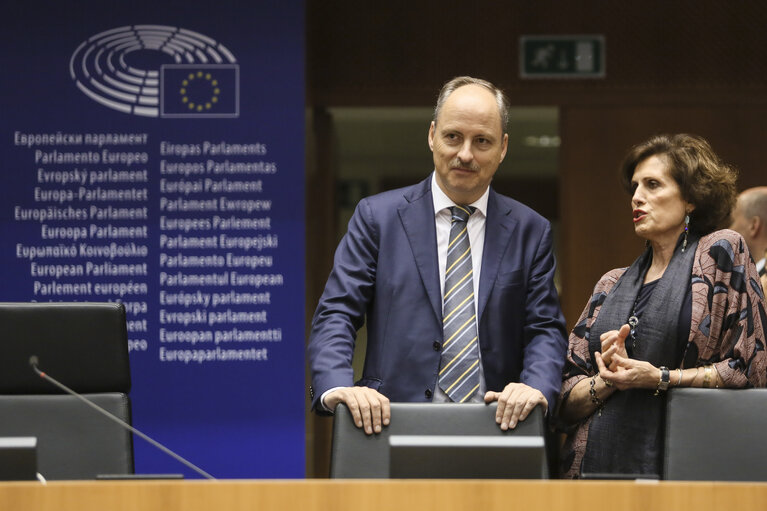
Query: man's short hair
(753,202)
(460,81)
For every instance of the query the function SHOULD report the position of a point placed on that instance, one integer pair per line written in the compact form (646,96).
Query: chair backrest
(716,435)
(357,455)
(83,345)
(73,440)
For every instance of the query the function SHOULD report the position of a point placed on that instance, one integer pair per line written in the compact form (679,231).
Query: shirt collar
(442,201)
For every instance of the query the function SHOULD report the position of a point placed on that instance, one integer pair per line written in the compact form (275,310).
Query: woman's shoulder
(614,274)
(722,237)
(723,250)
(608,280)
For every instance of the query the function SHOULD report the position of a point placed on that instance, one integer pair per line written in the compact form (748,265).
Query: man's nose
(465,154)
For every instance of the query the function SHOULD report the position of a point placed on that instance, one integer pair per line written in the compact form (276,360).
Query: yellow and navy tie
(459,363)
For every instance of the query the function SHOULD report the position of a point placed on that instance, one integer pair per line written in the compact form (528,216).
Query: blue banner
(154,155)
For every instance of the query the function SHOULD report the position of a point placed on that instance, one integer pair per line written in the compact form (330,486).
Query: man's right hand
(370,409)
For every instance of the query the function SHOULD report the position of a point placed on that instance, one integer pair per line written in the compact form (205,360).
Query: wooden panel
(374,495)
(320,246)
(398,52)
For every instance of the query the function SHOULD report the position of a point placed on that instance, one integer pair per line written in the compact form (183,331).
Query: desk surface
(374,495)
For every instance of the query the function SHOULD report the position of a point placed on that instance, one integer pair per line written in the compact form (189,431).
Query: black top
(685,318)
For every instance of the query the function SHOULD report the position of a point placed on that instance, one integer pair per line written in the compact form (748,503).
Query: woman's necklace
(640,302)
(650,277)
(633,323)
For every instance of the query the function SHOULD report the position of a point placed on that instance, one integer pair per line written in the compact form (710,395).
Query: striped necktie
(459,363)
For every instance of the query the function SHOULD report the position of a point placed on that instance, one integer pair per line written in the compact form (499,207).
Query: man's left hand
(515,403)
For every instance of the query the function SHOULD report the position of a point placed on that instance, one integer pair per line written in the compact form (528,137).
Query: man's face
(467,143)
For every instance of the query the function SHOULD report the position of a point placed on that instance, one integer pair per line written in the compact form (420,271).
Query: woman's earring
(686,230)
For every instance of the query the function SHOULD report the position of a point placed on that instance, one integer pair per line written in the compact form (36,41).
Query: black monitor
(426,440)
(466,457)
(18,458)
(83,345)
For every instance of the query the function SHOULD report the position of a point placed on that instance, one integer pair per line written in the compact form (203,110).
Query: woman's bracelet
(663,381)
(707,370)
(593,393)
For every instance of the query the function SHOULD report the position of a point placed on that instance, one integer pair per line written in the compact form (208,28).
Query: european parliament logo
(158,71)
(190,90)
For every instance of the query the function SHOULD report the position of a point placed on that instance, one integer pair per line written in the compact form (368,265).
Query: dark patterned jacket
(727,327)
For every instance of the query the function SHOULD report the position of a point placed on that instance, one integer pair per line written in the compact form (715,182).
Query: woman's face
(657,204)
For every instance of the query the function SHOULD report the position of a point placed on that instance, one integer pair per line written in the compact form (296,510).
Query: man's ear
(505,147)
(755,226)
(431,136)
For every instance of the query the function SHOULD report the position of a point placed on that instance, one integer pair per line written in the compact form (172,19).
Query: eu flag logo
(200,90)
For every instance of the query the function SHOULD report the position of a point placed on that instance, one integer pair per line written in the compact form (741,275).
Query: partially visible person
(749,218)
(687,313)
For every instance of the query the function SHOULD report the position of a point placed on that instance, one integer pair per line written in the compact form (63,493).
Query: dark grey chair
(85,347)
(716,435)
(429,440)
(73,441)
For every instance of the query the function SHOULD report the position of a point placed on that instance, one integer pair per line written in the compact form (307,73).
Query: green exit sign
(579,56)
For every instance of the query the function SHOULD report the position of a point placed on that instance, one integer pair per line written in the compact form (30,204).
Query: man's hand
(370,409)
(515,403)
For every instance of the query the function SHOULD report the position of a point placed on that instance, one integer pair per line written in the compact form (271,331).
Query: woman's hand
(614,343)
(627,373)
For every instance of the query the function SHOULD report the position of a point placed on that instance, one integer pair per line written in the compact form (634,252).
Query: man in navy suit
(390,269)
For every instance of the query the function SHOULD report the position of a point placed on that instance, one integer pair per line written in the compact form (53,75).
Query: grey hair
(754,202)
(460,81)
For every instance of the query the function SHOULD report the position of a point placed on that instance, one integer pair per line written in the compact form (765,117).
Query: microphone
(33,361)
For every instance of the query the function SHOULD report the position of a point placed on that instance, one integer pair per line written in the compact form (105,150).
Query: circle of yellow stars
(212,100)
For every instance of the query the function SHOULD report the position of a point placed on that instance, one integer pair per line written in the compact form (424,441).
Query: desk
(383,495)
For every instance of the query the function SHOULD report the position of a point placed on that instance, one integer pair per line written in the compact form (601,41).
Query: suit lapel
(499,227)
(417,218)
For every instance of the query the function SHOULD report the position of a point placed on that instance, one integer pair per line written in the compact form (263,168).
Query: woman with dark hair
(689,312)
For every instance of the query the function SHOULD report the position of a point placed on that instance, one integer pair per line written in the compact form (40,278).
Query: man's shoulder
(394,198)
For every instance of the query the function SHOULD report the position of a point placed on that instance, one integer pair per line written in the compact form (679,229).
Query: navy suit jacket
(386,270)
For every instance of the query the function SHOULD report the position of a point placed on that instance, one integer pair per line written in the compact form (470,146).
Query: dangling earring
(686,230)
